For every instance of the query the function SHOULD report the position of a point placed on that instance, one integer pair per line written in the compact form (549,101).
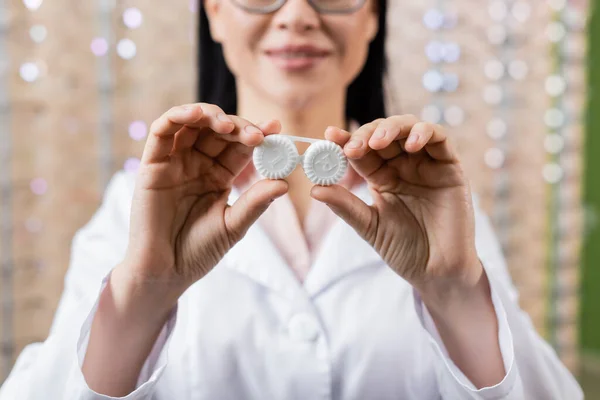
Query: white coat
(250,330)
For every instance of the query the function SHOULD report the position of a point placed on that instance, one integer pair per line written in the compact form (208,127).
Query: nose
(296,15)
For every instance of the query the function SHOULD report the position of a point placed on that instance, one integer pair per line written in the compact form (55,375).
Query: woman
(371,289)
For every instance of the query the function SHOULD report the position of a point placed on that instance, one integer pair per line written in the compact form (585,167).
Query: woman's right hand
(181,225)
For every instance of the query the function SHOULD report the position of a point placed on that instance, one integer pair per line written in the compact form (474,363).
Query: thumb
(251,205)
(347,206)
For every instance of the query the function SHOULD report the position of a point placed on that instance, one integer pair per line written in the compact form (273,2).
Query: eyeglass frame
(280,3)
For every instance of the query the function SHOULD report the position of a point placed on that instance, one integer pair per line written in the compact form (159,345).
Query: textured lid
(325,163)
(276,157)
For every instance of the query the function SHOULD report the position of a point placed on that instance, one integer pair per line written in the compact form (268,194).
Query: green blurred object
(590,283)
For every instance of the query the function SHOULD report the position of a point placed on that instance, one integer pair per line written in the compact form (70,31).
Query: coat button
(303,327)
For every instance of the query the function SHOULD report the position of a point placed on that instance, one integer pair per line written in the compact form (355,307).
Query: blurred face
(295,54)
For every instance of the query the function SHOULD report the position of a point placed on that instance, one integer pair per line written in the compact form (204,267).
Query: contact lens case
(324,162)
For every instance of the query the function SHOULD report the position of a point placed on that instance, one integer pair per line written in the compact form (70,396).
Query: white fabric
(250,330)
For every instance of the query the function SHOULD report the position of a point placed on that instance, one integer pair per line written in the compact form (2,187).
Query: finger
(337,135)
(161,138)
(184,139)
(392,129)
(392,151)
(251,205)
(357,145)
(442,151)
(213,118)
(244,132)
(433,139)
(420,134)
(270,127)
(365,162)
(347,206)
(211,145)
(369,165)
(162,132)
(235,158)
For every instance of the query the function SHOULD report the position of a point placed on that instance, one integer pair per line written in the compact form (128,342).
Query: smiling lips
(297,58)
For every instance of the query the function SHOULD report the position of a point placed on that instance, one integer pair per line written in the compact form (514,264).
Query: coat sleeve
(52,369)
(534,372)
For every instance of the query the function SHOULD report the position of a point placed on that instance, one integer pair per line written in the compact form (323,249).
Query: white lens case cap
(276,157)
(324,162)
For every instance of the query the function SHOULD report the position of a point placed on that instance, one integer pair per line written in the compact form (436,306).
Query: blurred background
(515,81)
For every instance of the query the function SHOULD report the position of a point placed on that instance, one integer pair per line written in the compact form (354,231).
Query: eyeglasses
(321,6)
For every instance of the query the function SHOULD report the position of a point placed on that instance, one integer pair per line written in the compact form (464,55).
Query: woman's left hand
(421,221)
(422,224)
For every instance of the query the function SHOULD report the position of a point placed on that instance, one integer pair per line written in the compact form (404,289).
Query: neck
(309,120)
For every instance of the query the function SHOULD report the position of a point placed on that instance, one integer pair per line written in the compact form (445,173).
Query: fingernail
(354,144)
(379,134)
(222,117)
(252,130)
(412,138)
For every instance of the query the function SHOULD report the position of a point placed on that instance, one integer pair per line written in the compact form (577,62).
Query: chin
(297,100)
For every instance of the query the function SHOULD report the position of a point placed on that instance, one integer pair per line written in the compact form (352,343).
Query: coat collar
(342,252)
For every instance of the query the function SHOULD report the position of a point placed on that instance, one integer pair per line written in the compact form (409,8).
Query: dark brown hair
(365,100)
